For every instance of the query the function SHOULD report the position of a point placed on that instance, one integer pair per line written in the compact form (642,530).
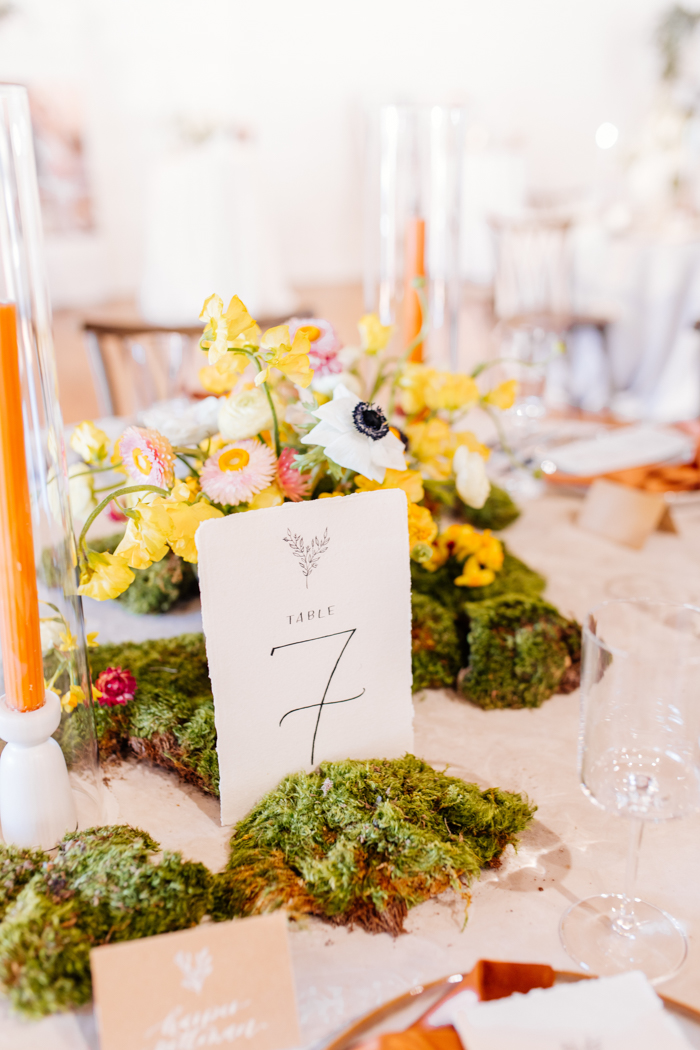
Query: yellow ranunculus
(409,480)
(292,361)
(473,575)
(411,385)
(185,519)
(222,377)
(223,330)
(374,335)
(272,496)
(91,443)
(104,576)
(146,536)
(450,391)
(503,396)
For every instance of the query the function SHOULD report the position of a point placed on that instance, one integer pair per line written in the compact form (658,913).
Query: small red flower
(116,686)
(294,485)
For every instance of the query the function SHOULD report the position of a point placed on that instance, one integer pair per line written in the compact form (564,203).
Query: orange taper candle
(415,267)
(19,605)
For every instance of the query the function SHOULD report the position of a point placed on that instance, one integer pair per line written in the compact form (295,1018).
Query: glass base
(600,940)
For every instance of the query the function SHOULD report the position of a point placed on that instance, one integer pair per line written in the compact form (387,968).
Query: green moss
(497,513)
(17,866)
(521,651)
(103,885)
(362,842)
(515,577)
(435,651)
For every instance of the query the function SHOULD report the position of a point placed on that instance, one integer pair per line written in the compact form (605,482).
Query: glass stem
(627,920)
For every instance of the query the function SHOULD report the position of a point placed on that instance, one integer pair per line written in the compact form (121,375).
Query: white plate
(622,449)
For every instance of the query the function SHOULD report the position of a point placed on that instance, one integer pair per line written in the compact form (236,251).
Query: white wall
(299,73)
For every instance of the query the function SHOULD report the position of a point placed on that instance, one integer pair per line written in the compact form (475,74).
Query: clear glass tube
(23,284)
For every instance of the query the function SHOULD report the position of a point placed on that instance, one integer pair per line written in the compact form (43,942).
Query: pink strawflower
(325,344)
(147,456)
(238,472)
(293,483)
(116,686)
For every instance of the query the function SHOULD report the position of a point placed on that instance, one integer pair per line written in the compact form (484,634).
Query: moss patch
(521,651)
(497,513)
(434,644)
(362,842)
(102,886)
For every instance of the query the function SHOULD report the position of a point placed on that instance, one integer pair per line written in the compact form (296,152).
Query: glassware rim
(588,633)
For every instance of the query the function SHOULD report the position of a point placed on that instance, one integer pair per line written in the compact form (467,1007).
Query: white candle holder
(37,807)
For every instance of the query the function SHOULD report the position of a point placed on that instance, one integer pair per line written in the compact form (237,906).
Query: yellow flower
(92,639)
(104,576)
(473,575)
(411,385)
(292,361)
(71,699)
(491,551)
(91,443)
(226,331)
(503,396)
(146,536)
(373,334)
(185,519)
(459,541)
(421,526)
(450,391)
(223,376)
(272,496)
(465,437)
(68,641)
(409,480)
(330,495)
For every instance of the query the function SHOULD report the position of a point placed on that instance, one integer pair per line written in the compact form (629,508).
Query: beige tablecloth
(572,850)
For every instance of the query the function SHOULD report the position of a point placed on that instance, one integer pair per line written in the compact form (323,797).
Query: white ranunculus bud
(244,415)
(472,483)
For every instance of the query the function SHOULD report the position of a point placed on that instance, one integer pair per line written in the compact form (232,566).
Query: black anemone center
(370,420)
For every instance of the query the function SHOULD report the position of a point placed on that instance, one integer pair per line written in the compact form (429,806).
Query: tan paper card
(623,514)
(215,985)
(307,617)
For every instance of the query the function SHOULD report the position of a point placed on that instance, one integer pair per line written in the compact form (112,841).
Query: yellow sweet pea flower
(450,391)
(185,519)
(409,480)
(473,575)
(71,699)
(104,576)
(91,443)
(272,496)
(503,396)
(91,639)
(374,335)
(292,361)
(68,641)
(222,377)
(146,536)
(223,331)
(411,387)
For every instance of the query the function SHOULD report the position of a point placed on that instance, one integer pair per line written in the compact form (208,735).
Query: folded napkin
(611,1013)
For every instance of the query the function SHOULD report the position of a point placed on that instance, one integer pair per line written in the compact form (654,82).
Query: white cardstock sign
(307,618)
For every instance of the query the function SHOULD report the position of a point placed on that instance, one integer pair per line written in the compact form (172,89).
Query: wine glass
(639,757)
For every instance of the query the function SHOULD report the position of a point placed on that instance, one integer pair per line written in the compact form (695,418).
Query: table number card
(307,617)
(623,514)
(214,985)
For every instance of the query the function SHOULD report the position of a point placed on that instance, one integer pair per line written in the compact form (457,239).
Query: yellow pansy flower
(91,443)
(222,377)
(374,335)
(411,387)
(223,331)
(185,519)
(503,396)
(473,575)
(272,496)
(104,576)
(292,361)
(409,480)
(146,536)
(450,391)
(490,552)
(71,699)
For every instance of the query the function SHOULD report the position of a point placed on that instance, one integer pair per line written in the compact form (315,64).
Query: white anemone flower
(471,480)
(356,435)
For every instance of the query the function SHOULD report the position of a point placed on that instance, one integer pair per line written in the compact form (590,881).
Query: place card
(214,985)
(307,617)
(624,514)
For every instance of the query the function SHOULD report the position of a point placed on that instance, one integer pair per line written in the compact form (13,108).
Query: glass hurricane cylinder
(46,715)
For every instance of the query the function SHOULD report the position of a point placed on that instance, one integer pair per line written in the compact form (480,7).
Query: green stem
(275,423)
(96,470)
(182,459)
(106,502)
(197,453)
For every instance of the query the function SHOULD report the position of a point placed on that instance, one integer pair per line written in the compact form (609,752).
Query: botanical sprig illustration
(307,554)
(195,969)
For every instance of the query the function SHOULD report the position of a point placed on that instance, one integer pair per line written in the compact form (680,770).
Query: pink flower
(293,483)
(238,472)
(325,344)
(116,687)
(148,457)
